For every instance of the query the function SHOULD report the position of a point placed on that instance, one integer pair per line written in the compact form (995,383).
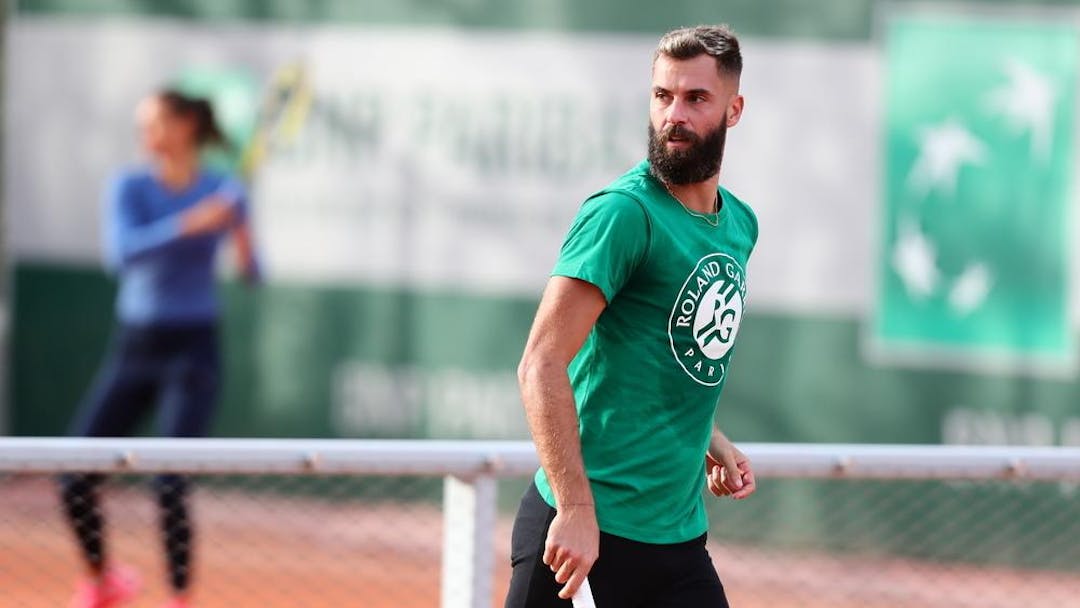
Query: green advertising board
(979,155)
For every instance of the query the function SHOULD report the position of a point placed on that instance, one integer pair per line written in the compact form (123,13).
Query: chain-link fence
(258,540)
(900,544)
(288,539)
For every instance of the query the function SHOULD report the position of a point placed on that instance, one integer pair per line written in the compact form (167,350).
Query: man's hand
(213,214)
(573,544)
(728,470)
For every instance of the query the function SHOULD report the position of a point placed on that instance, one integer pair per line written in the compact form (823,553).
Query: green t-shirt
(648,378)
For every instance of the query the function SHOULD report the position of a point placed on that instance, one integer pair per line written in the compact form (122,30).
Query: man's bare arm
(567,313)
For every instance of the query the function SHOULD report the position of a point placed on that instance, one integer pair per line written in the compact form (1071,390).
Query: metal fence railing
(426,523)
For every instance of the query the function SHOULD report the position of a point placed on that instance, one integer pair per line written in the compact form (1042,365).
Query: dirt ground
(272,551)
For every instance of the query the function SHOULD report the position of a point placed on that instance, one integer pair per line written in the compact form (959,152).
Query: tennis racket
(583,597)
(283,111)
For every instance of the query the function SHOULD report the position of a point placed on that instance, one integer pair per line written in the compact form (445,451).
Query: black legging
(82,507)
(176,367)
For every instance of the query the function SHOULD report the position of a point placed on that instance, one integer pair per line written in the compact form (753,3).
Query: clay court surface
(270,550)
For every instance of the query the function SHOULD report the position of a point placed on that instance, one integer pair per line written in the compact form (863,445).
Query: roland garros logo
(706,316)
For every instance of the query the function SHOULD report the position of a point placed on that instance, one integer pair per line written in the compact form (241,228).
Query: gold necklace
(716,208)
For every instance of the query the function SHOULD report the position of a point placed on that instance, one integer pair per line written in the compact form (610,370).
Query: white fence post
(468,541)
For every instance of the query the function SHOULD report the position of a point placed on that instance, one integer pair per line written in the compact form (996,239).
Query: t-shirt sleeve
(753,226)
(607,242)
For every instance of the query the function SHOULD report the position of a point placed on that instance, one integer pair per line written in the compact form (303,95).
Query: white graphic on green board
(979,145)
(1026,101)
(969,290)
(915,260)
(943,150)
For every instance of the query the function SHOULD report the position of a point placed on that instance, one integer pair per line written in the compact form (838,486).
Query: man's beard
(697,163)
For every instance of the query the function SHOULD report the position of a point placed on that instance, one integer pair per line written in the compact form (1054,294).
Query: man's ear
(734,111)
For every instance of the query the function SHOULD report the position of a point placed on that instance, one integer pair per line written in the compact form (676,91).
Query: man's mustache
(679,131)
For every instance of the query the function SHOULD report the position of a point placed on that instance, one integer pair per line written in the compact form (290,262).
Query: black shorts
(628,574)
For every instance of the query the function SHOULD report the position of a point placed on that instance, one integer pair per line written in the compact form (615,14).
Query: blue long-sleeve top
(166,278)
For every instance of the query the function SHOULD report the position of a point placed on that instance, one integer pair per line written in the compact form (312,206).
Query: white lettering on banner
(504,134)
(373,400)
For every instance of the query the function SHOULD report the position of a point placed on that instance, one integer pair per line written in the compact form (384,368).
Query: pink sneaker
(117,587)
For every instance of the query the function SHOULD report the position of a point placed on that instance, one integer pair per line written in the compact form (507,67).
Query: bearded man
(629,351)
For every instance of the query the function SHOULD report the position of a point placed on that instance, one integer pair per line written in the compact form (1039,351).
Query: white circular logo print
(706,317)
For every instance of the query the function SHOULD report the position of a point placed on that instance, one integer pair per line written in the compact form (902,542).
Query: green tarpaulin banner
(978,163)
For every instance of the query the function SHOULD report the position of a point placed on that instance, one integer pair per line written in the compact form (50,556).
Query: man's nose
(676,113)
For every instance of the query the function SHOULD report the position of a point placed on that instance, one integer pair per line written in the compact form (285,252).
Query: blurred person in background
(628,354)
(163,224)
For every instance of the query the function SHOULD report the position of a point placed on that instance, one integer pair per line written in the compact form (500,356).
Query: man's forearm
(552,417)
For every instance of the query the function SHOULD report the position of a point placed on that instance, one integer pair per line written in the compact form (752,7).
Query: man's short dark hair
(716,41)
